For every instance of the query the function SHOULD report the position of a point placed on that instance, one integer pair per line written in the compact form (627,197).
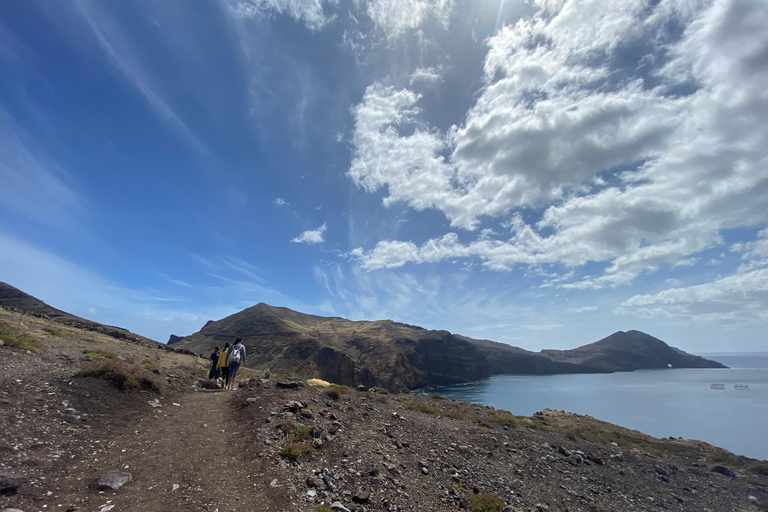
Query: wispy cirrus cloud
(310,237)
(34,185)
(117,46)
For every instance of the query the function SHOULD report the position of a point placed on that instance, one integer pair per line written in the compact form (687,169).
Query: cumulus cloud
(634,136)
(281,202)
(314,236)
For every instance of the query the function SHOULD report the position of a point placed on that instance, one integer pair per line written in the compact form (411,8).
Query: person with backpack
(235,359)
(222,365)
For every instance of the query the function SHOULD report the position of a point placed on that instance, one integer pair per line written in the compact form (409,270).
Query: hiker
(213,373)
(222,365)
(235,358)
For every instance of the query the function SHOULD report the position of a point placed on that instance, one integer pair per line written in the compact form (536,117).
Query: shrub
(294,450)
(485,503)
(422,407)
(760,468)
(99,354)
(149,365)
(13,337)
(437,397)
(324,508)
(503,418)
(380,391)
(122,375)
(335,392)
(52,332)
(457,414)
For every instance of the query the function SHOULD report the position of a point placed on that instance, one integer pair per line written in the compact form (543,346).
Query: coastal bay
(662,403)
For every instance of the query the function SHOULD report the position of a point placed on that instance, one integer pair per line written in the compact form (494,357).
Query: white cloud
(309,12)
(281,202)
(396,17)
(314,236)
(742,297)
(633,164)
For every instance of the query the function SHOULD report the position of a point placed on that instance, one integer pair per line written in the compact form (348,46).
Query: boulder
(112,481)
(724,471)
(289,384)
(9,482)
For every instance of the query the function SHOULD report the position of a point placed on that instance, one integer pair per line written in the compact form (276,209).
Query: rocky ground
(271,447)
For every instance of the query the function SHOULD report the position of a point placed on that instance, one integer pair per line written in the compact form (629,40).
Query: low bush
(13,337)
(437,397)
(324,508)
(380,391)
(52,331)
(485,503)
(422,407)
(335,392)
(760,468)
(123,375)
(294,450)
(97,353)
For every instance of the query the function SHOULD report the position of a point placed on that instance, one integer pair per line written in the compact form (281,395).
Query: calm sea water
(675,402)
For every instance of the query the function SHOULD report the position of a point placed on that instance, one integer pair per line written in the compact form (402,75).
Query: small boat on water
(741,387)
(717,386)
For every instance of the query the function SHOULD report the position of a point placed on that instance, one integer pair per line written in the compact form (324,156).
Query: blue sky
(540,173)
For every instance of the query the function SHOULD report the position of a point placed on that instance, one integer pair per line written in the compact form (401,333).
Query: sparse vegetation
(324,508)
(380,391)
(422,407)
(335,392)
(122,375)
(99,354)
(761,468)
(13,337)
(485,503)
(499,417)
(294,450)
(52,331)
(149,365)
(437,397)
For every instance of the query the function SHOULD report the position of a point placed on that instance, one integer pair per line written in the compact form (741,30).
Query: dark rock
(361,496)
(313,482)
(112,481)
(724,471)
(289,384)
(9,482)
(174,339)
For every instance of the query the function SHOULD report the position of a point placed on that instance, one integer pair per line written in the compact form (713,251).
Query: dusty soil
(195,449)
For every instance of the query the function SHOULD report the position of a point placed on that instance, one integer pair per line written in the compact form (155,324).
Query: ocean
(724,407)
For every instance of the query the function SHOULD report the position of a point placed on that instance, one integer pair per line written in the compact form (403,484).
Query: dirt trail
(192,441)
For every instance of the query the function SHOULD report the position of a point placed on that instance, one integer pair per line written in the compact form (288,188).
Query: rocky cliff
(381,353)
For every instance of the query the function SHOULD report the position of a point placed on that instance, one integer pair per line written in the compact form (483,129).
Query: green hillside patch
(14,337)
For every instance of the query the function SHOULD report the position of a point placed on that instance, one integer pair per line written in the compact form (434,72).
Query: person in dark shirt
(214,372)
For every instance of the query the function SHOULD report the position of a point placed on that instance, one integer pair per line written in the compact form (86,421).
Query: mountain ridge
(400,356)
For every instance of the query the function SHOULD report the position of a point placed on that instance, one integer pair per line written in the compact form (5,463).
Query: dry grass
(335,392)
(318,383)
(14,337)
(97,353)
(422,407)
(485,503)
(52,331)
(123,375)
(296,445)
